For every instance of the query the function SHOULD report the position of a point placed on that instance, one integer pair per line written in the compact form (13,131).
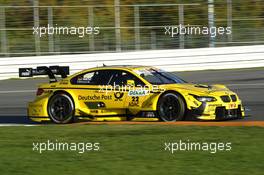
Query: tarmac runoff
(183,123)
(248,83)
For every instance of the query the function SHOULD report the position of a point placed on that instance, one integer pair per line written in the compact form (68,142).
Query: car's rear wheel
(61,108)
(171,107)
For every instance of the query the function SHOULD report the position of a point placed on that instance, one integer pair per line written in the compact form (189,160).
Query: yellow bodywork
(117,109)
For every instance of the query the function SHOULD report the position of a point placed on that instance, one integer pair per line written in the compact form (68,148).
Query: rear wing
(51,71)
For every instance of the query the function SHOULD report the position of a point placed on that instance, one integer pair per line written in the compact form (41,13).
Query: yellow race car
(117,93)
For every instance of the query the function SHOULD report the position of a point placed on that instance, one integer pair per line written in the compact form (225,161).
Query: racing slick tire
(171,107)
(61,109)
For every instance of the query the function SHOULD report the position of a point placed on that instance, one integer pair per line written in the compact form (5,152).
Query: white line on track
(20,91)
(3,107)
(7,124)
(256,84)
(11,115)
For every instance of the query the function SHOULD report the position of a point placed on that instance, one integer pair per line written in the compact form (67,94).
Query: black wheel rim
(61,109)
(170,108)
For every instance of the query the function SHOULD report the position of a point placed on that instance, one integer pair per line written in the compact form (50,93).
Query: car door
(131,95)
(95,94)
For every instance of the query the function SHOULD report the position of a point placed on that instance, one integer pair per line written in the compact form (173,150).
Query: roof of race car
(125,66)
(130,67)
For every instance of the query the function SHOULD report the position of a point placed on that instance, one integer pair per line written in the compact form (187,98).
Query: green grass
(131,149)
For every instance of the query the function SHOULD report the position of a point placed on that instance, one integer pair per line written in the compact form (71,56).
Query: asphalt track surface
(248,83)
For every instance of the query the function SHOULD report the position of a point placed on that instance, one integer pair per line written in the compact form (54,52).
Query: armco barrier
(171,60)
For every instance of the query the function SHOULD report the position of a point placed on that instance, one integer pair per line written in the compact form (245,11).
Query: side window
(120,78)
(85,78)
(101,77)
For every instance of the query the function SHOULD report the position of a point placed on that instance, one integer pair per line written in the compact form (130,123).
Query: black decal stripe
(103,116)
(37,117)
(95,89)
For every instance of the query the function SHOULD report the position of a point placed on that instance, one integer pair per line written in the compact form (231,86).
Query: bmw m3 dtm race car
(117,93)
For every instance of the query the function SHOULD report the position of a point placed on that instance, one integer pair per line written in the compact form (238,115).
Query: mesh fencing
(124,26)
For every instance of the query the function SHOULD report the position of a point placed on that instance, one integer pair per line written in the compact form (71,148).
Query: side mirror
(130,83)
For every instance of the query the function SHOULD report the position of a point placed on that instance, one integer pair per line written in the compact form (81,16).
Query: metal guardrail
(171,60)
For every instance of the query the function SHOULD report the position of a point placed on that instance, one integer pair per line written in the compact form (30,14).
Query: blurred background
(125,25)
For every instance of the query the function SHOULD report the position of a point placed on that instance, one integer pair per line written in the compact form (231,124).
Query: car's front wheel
(171,107)
(61,108)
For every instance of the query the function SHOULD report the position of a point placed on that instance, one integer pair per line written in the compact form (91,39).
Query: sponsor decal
(47,91)
(64,82)
(119,96)
(137,92)
(26,72)
(94,111)
(94,97)
(134,102)
(232,106)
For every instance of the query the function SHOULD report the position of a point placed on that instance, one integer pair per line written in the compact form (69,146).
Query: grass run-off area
(131,149)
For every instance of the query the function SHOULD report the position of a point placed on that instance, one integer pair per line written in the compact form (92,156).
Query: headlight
(204,98)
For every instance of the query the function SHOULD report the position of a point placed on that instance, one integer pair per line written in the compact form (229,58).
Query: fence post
(137,27)
(181,22)
(106,43)
(229,19)
(57,45)
(3,32)
(117,25)
(91,24)
(211,21)
(36,24)
(50,22)
(153,40)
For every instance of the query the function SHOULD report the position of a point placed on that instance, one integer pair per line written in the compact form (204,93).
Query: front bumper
(222,113)
(208,111)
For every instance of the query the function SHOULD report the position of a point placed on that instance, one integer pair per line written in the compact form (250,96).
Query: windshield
(157,76)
